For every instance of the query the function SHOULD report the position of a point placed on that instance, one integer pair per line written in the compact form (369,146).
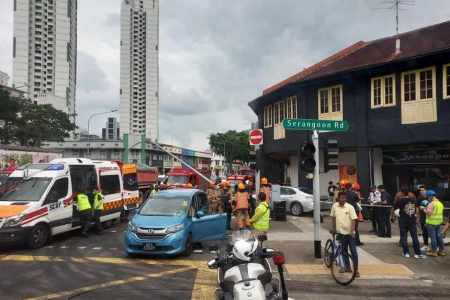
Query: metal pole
(316,188)
(257,177)
(106,112)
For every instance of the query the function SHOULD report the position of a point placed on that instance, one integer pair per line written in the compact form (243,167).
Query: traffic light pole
(316,189)
(257,177)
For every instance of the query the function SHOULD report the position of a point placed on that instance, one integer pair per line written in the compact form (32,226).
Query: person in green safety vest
(434,218)
(84,211)
(260,219)
(98,208)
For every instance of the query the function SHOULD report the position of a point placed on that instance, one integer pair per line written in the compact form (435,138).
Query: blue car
(172,221)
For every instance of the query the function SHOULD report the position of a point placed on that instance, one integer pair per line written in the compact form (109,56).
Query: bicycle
(342,263)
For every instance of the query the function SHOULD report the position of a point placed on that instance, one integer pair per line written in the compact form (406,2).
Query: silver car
(298,200)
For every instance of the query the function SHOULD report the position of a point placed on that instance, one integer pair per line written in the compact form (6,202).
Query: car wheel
(107,224)
(296,209)
(38,237)
(189,246)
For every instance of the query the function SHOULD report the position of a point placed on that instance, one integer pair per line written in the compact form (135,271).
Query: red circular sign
(256,137)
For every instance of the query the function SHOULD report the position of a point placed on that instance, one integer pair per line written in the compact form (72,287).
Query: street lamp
(106,112)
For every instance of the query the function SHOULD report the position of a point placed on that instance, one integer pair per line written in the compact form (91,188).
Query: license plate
(133,205)
(149,246)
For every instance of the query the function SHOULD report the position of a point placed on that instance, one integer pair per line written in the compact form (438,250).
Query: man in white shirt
(374,200)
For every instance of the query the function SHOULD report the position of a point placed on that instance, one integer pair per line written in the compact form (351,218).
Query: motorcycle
(244,271)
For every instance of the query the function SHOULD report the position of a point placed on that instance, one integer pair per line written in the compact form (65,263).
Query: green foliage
(232,145)
(29,124)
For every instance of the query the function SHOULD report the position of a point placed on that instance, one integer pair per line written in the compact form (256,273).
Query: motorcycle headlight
(132,228)
(13,221)
(175,228)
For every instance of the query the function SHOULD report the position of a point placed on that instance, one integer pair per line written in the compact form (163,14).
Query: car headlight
(13,221)
(132,228)
(175,228)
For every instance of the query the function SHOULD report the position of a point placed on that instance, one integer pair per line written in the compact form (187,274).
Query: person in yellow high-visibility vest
(98,208)
(260,219)
(434,218)
(84,211)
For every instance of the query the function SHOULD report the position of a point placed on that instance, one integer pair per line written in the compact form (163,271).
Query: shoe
(357,275)
(425,248)
(431,253)
(406,255)
(441,253)
(360,244)
(420,256)
(399,245)
(85,234)
(100,233)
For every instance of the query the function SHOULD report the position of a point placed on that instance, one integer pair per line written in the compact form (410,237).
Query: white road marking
(81,247)
(64,247)
(97,248)
(112,248)
(48,247)
(113,231)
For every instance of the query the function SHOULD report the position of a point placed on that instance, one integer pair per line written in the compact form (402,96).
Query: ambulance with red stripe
(36,201)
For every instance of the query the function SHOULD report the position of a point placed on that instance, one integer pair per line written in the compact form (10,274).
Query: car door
(210,226)
(58,205)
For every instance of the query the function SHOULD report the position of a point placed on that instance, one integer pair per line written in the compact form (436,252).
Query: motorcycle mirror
(262,237)
(269,250)
(213,247)
(211,263)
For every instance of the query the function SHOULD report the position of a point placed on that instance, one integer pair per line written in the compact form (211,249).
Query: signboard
(256,137)
(310,124)
(441,156)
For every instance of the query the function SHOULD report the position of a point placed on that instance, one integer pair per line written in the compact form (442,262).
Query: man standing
(331,189)
(433,221)
(84,211)
(409,215)
(423,216)
(374,200)
(260,219)
(242,206)
(98,208)
(225,198)
(384,226)
(353,199)
(212,198)
(344,220)
(12,165)
(265,189)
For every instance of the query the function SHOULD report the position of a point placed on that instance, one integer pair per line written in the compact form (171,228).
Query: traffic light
(330,155)
(307,157)
(255,160)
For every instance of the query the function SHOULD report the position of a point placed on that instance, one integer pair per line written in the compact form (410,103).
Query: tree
(31,124)
(232,145)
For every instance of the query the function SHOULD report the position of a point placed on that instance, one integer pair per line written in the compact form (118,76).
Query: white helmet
(397,212)
(242,249)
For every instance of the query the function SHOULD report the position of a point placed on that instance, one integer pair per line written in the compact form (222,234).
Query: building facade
(395,95)
(4,78)
(45,51)
(111,130)
(139,99)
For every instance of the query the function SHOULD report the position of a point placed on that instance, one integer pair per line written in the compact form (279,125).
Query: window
(110,184)
(268,116)
(383,91)
(446,81)
(278,112)
(59,190)
(217,162)
(155,157)
(291,108)
(330,103)
(102,154)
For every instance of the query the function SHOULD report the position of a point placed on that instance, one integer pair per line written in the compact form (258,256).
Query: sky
(215,56)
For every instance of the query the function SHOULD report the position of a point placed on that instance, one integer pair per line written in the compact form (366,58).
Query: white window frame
(268,112)
(327,116)
(417,74)
(277,112)
(445,82)
(383,92)
(291,107)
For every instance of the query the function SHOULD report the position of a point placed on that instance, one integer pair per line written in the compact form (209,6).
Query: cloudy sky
(217,55)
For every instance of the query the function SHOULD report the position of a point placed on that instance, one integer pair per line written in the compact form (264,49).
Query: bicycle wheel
(329,253)
(343,268)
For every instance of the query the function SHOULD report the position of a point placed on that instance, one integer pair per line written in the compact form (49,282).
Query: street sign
(256,137)
(309,124)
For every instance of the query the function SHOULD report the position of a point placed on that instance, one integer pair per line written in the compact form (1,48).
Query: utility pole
(316,205)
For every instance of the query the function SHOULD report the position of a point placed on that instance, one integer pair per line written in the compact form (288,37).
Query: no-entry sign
(256,137)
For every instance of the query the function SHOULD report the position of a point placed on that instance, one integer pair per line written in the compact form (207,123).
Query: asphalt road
(73,267)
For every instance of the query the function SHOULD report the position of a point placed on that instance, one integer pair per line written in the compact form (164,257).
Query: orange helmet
(211,184)
(356,186)
(343,182)
(227,183)
(264,181)
(222,184)
(241,186)
(189,186)
(168,184)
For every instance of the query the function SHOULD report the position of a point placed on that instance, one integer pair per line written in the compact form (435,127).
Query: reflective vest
(266,190)
(437,216)
(242,200)
(263,222)
(83,202)
(211,194)
(97,198)
(152,192)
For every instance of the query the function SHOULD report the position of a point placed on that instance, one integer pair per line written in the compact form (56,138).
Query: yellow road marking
(111,283)
(205,283)
(388,269)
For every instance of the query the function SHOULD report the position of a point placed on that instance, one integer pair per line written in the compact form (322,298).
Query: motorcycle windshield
(239,235)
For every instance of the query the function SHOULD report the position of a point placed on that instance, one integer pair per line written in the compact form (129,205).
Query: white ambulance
(36,202)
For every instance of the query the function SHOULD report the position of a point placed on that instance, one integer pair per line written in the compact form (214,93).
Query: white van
(36,201)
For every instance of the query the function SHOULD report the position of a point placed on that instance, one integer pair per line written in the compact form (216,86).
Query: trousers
(85,219)
(243,212)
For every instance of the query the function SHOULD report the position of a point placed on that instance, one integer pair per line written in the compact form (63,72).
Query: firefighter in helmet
(241,208)
(265,189)
(212,195)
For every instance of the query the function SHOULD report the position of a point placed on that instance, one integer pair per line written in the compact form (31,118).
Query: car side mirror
(199,214)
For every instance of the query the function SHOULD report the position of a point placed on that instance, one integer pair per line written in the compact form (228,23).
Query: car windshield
(30,189)
(159,205)
(177,179)
(247,173)
(306,191)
